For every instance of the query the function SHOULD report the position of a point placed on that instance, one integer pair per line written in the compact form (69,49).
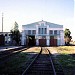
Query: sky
(28,11)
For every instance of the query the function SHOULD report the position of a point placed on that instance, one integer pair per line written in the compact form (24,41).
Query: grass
(66,59)
(12,65)
(17,63)
(68,63)
(65,49)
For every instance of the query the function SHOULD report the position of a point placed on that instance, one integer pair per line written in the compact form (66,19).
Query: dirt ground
(53,51)
(33,49)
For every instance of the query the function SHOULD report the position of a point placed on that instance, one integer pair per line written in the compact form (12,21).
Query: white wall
(23,41)
(60,38)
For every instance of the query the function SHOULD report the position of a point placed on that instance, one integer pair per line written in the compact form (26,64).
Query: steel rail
(54,72)
(31,63)
(14,52)
(52,63)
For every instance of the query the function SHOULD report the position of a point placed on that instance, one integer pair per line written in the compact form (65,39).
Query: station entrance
(42,42)
(53,41)
(31,40)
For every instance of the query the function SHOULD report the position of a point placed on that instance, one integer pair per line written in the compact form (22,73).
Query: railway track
(18,70)
(9,51)
(42,65)
(5,54)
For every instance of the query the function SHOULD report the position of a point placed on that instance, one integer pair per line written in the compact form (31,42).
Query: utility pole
(2,22)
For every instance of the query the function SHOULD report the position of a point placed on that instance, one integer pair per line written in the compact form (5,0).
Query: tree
(15,26)
(67,36)
(15,34)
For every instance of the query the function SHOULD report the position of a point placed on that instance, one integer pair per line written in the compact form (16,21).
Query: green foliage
(13,65)
(67,36)
(15,36)
(67,62)
(15,26)
(67,32)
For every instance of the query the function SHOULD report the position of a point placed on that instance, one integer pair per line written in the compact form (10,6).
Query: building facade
(42,33)
(5,38)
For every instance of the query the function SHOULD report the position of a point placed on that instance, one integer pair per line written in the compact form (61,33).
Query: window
(45,31)
(5,34)
(33,31)
(42,30)
(5,41)
(55,31)
(29,31)
(51,32)
(39,31)
(9,34)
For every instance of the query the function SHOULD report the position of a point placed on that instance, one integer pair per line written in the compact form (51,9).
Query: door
(42,42)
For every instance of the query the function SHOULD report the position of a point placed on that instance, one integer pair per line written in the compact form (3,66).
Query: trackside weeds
(13,66)
(66,57)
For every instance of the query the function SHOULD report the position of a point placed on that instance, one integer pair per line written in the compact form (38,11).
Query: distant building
(7,38)
(2,40)
(42,33)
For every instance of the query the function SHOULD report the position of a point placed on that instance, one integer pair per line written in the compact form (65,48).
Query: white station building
(42,33)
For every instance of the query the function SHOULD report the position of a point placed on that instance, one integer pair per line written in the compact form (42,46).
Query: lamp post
(2,22)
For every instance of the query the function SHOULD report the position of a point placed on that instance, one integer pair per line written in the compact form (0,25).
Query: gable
(52,25)
(41,24)
(32,25)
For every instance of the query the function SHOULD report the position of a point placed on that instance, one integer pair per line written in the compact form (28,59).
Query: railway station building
(42,33)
